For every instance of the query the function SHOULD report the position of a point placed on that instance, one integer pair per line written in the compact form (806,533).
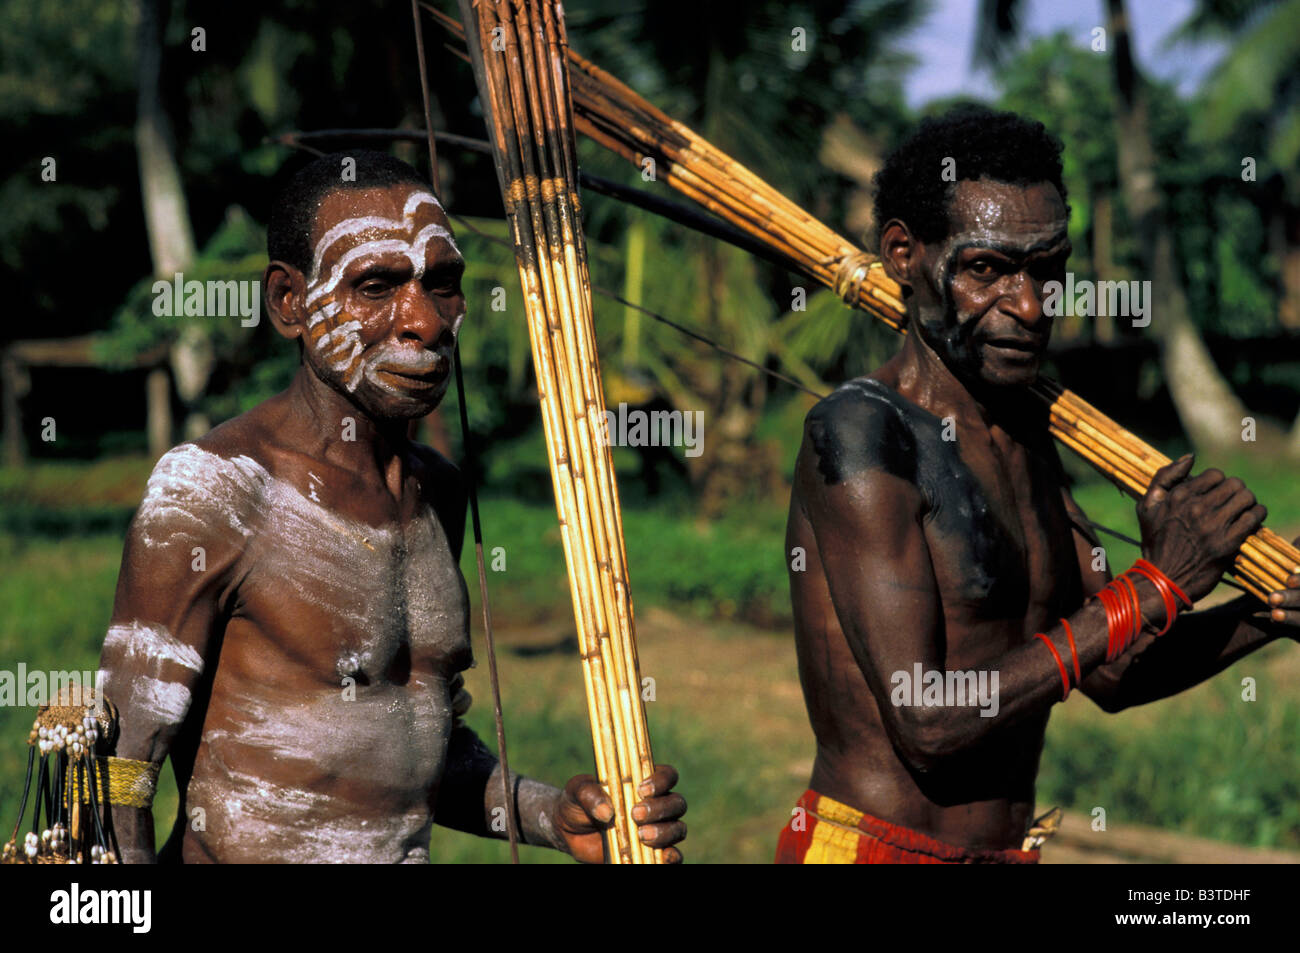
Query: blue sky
(942,43)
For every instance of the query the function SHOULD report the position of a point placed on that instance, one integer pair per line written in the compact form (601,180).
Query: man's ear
(284,291)
(901,253)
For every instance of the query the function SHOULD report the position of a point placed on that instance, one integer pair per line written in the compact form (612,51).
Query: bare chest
(998,532)
(348,599)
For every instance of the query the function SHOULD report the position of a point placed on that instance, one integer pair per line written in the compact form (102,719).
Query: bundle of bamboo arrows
(615,116)
(518,52)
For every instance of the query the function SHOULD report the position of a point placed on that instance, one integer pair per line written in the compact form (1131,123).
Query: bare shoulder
(207,488)
(863,425)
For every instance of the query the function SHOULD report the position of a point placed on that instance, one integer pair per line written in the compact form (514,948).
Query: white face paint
(333,334)
(353,226)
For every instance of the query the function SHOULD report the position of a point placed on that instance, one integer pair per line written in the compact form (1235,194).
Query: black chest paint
(865,425)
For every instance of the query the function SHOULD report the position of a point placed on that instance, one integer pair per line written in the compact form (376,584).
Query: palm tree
(1210,412)
(166,214)
(742,76)
(1252,98)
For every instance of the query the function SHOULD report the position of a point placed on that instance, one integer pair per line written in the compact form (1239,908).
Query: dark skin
(274,614)
(938,528)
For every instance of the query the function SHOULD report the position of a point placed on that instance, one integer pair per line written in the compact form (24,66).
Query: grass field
(728,710)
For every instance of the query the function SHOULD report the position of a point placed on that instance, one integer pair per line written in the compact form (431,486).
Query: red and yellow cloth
(828,832)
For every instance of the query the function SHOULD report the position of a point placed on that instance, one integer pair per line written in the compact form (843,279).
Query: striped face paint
(334,334)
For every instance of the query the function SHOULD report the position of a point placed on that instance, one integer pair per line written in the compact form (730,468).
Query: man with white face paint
(291,622)
(942,543)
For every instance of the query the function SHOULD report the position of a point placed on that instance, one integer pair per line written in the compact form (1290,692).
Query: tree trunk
(730,465)
(1285,232)
(158,402)
(633,279)
(1103,258)
(166,214)
(1209,411)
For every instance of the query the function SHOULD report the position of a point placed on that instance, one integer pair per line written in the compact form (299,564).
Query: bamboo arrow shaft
(612,114)
(518,51)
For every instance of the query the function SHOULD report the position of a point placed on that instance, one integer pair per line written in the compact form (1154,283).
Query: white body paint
(296,826)
(166,701)
(379,603)
(158,659)
(138,640)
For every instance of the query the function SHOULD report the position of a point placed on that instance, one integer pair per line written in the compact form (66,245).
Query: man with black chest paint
(304,676)
(943,546)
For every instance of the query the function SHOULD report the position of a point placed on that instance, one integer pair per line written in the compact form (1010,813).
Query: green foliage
(65,71)
(1252,100)
(1218,229)
(730,568)
(236,252)
(1231,759)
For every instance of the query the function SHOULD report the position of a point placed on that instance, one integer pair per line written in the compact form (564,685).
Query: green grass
(56,597)
(715,780)
(1204,763)
(731,568)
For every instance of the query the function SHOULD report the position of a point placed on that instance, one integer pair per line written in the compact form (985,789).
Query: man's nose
(420,318)
(1024,302)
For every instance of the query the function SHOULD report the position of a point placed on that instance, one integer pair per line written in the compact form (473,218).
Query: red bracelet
(1166,594)
(1161,578)
(1136,606)
(1065,678)
(1110,601)
(1074,655)
(1126,617)
(1102,597)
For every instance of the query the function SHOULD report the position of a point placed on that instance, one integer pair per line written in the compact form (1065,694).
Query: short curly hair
(300,193)
(982,143)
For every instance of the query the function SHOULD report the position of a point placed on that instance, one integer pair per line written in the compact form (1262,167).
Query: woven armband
(123,782)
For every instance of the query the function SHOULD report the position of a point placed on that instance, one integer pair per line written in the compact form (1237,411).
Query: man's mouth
(421,375)
(1021,345)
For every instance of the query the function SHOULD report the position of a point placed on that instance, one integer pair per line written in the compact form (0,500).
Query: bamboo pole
(613,115)
(519,54)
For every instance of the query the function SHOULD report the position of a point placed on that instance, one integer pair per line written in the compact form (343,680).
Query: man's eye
(445,286)
(983,268)
(374,288)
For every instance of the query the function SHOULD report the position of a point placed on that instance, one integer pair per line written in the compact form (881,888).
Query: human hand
(1284,605)
(1193,528)
(584,811)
